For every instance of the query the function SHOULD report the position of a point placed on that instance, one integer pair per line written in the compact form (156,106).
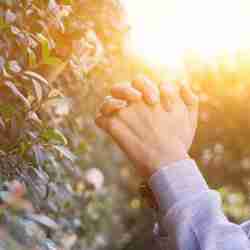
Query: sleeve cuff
(176,182)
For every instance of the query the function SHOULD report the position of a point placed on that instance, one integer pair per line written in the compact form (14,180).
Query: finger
(126,92)
(148,89)
(128,142)
(123,136)
(112,105)
(115,127)
(131,116)
(119,131)
(189,98)
(169,94)
(126,139)
(192,102)
(101,121)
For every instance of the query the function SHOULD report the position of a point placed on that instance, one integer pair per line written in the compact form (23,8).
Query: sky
(164,30)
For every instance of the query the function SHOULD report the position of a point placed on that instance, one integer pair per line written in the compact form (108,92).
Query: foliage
(57,60)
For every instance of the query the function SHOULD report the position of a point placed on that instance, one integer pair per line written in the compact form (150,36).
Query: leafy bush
(57,60)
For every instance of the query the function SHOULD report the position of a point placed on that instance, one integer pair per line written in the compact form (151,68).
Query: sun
(164,31)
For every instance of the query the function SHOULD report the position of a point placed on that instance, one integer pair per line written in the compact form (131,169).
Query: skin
(153,126)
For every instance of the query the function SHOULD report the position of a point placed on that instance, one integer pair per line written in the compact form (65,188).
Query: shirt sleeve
(190,214)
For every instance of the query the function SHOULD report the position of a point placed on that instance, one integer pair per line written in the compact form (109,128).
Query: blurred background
(64,184)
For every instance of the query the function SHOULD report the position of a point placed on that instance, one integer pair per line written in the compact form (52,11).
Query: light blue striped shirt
(190,214)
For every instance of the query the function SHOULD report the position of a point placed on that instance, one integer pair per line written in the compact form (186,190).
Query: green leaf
(9,3)
(32,116)
(46,51)
(2,124)
(44,46)
(32,60)
(24,147)
(3,25)
(39,154)
(53,61)
(67,2)
(7,110)
(54,136)
(36,76)
(17,93)
(38,90)
(65,152)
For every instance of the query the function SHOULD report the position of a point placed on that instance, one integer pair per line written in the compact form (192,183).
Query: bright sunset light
(164,30)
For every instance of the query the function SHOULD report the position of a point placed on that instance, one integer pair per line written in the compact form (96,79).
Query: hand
(154,129)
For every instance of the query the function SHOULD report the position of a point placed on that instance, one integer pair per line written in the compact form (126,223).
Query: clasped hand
(153,126)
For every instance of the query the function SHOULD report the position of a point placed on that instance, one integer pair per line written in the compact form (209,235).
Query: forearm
(190,213)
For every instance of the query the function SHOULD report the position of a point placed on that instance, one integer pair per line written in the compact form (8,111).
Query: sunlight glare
(163,31)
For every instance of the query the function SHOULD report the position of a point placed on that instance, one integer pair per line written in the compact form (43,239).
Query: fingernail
(121,104)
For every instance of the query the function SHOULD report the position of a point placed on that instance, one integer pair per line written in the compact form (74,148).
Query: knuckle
(111,124)
(167,105)
(98,121)
(169,94)
(124,113)
(119,104)
(142,82)
(105,108)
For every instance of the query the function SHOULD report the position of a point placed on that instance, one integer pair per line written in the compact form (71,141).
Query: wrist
(167,161)
(172,185)
(145,189)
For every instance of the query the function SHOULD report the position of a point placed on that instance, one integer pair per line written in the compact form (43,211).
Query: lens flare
(164,31)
